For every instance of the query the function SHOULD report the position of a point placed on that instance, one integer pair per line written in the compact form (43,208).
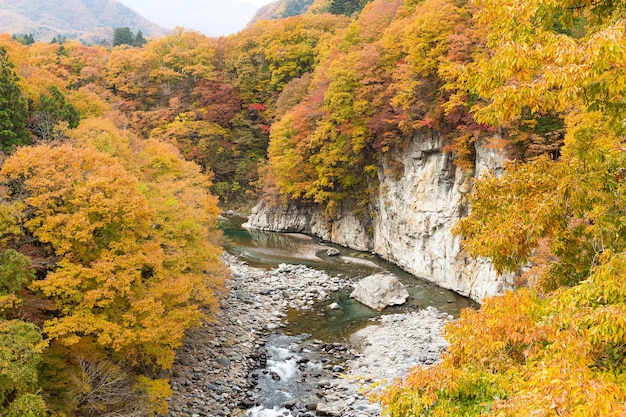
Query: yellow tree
(185,222)
(86,211)
(126,71)
(180,60)
(112,279)
(185,215)
(545,62)
(557,349)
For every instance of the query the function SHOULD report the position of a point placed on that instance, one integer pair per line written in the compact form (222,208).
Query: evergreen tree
(62,51)
(296,7)
(24,39)
(347,7)
(123,36)
(13,107)
(140,40)
(51,109)
(60,39)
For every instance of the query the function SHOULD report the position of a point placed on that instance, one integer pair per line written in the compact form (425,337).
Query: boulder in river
(379,291)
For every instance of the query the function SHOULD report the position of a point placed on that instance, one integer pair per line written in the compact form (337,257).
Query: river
(288,354)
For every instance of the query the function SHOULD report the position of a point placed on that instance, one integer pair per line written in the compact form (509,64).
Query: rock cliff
(421,195)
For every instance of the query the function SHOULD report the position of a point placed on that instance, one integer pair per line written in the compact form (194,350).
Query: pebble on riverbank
(210,376)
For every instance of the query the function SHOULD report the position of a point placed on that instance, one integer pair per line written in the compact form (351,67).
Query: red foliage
(219,99)
(257,106)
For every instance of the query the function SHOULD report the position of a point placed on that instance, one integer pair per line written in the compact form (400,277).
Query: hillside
(87,20)
(507,121)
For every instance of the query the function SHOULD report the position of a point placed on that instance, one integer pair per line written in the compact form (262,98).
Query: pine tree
(51,109)
(347,7)
(23,38)
(140,40)
(13,107)
(123,36)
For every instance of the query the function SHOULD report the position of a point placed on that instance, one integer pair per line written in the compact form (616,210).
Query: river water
(289,360)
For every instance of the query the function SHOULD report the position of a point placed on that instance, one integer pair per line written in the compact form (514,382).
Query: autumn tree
(218,102)
(206,143)
(85,65)
(13,107)
(557,348)
(334,149)
(126,73)
(81,223)
(185,213)
(577,205)
(263,59)
(521,354)
(180,60)
(133,269)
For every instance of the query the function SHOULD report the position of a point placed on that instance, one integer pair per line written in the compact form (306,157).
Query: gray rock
(332,252)
(379,291)
(223,361)
(332,409)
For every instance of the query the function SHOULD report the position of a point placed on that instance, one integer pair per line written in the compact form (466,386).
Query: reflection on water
(268,249)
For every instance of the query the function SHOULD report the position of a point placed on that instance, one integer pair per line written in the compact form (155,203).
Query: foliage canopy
(108,226)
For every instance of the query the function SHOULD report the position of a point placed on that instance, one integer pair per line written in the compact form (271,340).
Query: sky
(211,17)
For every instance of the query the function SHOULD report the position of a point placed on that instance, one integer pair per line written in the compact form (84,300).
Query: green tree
(25,39)
(51,109)
(21,344)
(20,353)
(13,107)
(15,271)
(140,40)
(347,7)
(123,36)
(60,39)
(295,7)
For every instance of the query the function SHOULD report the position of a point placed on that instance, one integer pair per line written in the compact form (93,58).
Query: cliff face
(420,197)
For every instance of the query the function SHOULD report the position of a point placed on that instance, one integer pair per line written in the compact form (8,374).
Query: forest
(114,161)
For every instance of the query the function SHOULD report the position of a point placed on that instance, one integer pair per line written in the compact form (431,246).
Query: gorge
(409,221)
(289,340)
(369,124)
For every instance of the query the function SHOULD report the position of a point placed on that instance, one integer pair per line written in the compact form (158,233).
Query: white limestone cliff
(420,197)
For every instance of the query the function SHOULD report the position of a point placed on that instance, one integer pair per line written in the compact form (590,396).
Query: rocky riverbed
(221,369)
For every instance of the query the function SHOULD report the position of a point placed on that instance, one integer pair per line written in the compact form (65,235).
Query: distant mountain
(211,17)
(87,20)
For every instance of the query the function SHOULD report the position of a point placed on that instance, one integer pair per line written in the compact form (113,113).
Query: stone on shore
(379,291)
(217,371)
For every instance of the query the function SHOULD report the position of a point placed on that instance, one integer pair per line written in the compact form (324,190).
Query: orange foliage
(136,289)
